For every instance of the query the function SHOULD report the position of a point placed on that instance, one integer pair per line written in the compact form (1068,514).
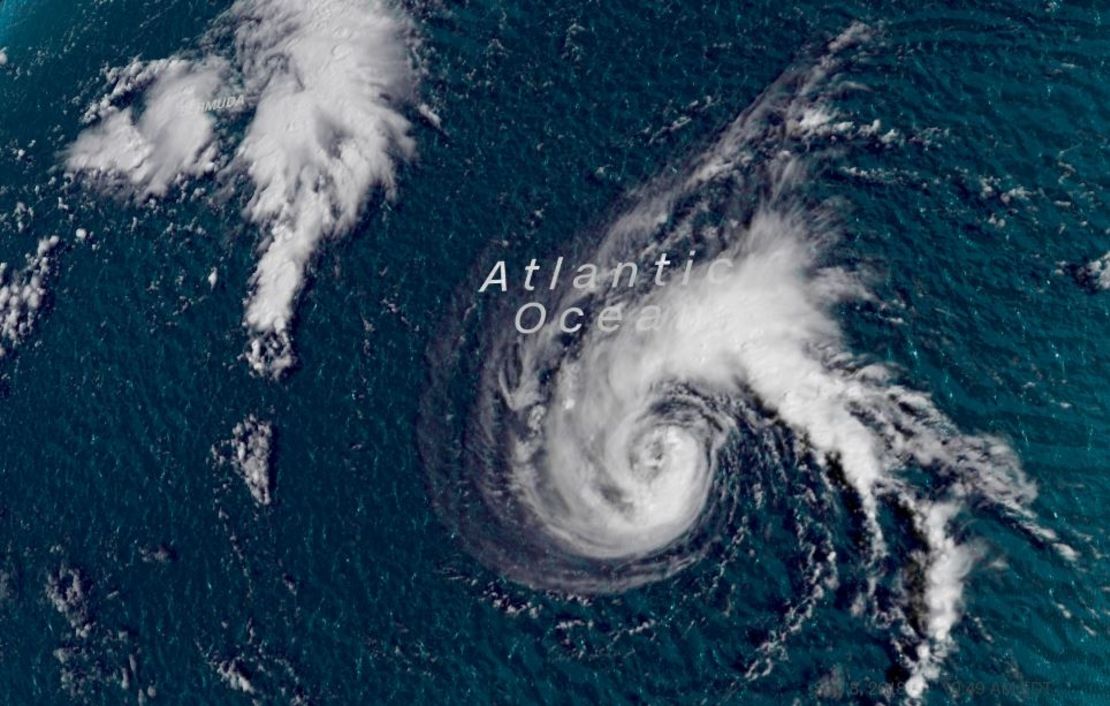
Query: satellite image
(505,352)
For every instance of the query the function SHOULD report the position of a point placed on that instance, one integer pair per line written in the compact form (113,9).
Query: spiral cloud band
(597,459)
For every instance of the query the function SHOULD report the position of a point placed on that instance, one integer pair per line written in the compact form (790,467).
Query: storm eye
(652,455)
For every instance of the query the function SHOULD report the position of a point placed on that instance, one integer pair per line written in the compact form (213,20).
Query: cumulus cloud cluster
(22,294)
(325,83)
(170,140)
(251,451)
(1097,272)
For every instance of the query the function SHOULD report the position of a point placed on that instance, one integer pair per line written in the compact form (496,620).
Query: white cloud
(170,139)
(326,81)
(22,294)
(326,131)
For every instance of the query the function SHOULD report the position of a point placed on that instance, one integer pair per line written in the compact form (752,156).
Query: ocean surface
(905,492)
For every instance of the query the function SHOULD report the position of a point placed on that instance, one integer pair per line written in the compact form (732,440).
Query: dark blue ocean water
(349,589)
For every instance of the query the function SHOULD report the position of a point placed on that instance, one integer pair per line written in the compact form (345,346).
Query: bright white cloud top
(324,85)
